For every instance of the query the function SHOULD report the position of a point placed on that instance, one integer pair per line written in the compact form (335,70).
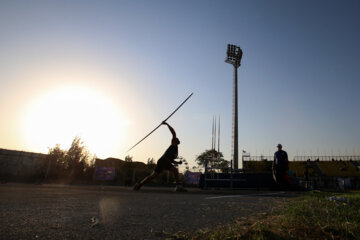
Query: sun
(64,113)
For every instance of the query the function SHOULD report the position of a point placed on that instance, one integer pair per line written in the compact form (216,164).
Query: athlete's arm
(286,161)
(170,128)
(273,163)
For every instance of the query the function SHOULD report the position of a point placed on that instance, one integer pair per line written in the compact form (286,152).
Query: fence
(305,158)
(327,158)
(257,158)
(20,164)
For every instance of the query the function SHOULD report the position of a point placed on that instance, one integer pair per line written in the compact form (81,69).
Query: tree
(151,161)
(213,158)
(76,162)
(56,162)
(185,164)
(197,168)
(77,158)
(128,158)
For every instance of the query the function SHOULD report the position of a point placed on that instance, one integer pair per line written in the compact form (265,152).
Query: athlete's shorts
(163,164)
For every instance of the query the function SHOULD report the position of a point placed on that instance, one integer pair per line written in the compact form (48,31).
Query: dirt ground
(65,212)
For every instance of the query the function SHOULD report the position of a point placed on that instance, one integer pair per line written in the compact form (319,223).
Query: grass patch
(312,216)
(316,214)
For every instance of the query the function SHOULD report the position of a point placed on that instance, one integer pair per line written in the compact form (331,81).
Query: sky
(111,71)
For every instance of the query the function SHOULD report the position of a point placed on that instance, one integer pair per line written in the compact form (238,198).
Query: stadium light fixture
(233,57)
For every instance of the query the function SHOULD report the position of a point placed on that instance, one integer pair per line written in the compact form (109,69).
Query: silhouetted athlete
(280,165)
(166,163)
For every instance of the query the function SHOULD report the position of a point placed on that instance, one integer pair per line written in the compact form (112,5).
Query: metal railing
(327,158)
(258,158)
(305,158)
(214,176)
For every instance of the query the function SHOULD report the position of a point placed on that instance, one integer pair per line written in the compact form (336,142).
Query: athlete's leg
(149,178)
(178,187)
(138,185)
(176,174)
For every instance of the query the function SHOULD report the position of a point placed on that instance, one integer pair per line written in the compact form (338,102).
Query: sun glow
(60,115)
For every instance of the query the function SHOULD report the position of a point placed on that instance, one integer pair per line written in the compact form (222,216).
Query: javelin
(161,122)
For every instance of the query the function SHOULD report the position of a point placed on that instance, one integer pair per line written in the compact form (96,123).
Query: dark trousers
(280,175)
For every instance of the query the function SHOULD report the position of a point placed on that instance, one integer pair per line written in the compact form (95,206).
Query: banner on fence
(105,173)
(192,177)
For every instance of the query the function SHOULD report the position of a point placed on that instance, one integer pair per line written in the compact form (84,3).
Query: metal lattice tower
(234,55)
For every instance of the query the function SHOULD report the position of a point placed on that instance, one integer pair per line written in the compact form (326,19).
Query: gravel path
(65,212)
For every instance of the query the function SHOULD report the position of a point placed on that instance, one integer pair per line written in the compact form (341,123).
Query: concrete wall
(21,165)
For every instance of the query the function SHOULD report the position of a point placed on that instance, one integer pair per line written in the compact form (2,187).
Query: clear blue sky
(298,82)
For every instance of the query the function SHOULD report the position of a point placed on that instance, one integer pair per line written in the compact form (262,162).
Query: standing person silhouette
(166,163)
(280,166)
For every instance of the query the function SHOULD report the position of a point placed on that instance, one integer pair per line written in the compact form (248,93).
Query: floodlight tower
(234,54)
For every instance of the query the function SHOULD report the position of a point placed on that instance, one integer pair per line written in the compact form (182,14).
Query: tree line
(78,164)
